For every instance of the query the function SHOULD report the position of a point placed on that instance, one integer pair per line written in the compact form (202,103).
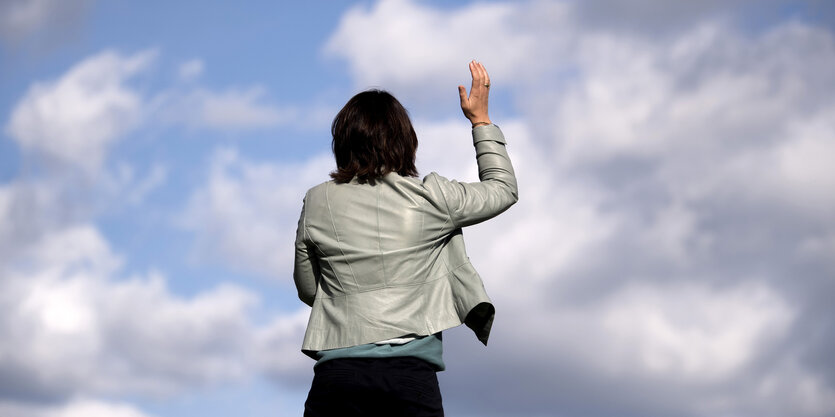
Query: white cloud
(673,236)
(76,408)
(662,103)
(228,110)
(402,44)
(28,210)
(680,341)
(803,166)
(279,349)
(567,211)
(652,18)
(246,214)
(74,119)
(22,19)
(96,409)
(688,331)
(153,180)
(61,284)
(674,208)
(128,335)
(196,106)
(191,69)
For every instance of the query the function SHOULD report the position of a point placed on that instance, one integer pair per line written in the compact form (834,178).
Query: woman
(380,258)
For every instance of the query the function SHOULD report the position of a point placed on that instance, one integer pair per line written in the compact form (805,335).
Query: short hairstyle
(373,136)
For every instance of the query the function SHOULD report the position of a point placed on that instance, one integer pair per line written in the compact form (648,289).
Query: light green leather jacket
(381,261)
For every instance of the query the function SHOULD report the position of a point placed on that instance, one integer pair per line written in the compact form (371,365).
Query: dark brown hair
(373,136)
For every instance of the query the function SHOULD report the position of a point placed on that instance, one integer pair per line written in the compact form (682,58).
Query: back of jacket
(387,260)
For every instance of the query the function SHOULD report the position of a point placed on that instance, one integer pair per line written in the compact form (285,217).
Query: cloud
(673,214)
(688,331)
(278,353)
(71,123)
(76,408)
(670,254)
(22,20)
(229,109)
(121,333)
(644,348)
(29,209)
(155,178)
(236,109)
(73,120)
(651,17)
(191,69)
(118,334)
(426,50)
(246,213)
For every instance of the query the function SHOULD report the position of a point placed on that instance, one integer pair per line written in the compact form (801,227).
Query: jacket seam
(310,238)
(446,203)
(305,237)
(379,242)
(448,218)
(338,242)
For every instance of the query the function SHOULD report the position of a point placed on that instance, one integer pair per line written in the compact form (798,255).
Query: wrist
(481,123)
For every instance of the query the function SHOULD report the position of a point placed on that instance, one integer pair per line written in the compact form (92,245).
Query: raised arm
(470,203)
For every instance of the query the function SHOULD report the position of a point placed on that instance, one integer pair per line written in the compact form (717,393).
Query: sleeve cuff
(489,132)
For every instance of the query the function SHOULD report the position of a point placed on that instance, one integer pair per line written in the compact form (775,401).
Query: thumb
(462,93)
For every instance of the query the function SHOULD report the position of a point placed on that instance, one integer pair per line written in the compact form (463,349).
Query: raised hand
(474,106)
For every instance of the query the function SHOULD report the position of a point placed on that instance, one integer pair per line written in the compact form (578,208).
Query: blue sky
(671,253)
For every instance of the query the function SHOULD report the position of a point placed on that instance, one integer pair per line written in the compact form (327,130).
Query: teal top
(429,348)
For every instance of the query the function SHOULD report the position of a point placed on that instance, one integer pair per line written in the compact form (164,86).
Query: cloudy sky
(672,253)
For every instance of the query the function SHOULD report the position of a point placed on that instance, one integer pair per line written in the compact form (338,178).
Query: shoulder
(426,190)
(426,186)
(318,189)
(315,196)
(434,178)
(436,183)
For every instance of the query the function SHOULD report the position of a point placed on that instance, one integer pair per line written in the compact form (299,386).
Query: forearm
(493,161)
(304,267)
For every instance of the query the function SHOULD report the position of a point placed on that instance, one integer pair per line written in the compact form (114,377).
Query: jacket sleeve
(471,203)
(306,267)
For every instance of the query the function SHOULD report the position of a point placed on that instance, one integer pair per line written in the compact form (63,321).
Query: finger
(474,71)
(462,93)
(486,76)
(474,75)
(480,79)
(482,73)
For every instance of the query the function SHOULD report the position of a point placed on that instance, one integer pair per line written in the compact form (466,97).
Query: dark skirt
(347,387)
